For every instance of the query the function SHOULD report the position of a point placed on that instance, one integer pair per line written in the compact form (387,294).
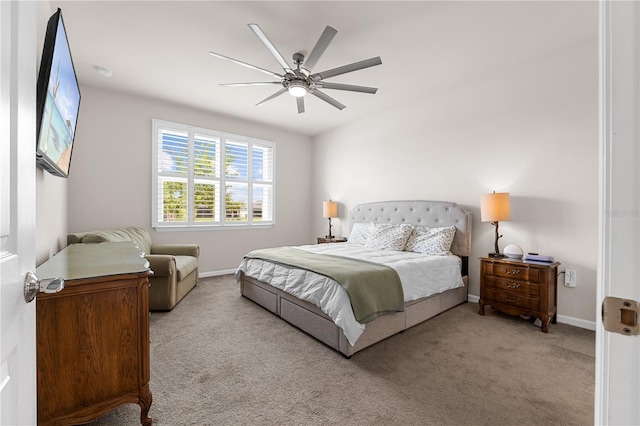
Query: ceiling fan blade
(347,68)
(350,87)
(272,48)
(259,83)
(327,98)
(275,95)
(300,102)
(244,64)
(321,45)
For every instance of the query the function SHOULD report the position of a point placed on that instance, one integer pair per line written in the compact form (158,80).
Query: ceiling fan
(300,81)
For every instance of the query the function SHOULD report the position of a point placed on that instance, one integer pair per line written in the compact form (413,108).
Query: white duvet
(420,275)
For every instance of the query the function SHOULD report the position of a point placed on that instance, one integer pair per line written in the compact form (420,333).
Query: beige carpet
(220,359)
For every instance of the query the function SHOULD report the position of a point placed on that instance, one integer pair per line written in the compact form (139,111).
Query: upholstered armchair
(174,266)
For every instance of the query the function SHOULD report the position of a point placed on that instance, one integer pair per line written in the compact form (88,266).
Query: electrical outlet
(570,278)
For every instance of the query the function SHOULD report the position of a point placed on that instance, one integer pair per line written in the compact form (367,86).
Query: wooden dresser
(519,288)
(93,336)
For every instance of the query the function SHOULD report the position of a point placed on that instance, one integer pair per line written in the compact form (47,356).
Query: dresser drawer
(514,286)
(513,299)
(514,272)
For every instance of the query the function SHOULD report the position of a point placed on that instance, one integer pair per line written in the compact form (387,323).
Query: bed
(310,318)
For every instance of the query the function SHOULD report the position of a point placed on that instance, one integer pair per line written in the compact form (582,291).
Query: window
(205,178)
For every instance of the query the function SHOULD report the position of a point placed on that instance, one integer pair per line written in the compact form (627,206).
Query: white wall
(110,177)
(51,191)
(531,130)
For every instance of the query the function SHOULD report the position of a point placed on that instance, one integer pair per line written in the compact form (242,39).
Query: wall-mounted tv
(57,102)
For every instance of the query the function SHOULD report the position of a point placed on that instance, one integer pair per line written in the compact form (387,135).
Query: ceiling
(160,49)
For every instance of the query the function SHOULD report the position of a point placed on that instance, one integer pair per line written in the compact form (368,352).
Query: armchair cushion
(186,265)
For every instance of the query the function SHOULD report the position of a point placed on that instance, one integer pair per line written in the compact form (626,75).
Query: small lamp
(329,210)
(494,208)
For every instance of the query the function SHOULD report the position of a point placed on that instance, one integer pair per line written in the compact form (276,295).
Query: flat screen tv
(57,101)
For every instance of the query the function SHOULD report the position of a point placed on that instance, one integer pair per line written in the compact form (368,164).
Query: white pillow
(433,241)
(389,237)
(360,232)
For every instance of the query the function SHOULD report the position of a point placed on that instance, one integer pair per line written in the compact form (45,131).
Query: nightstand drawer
(513,299)
(514,286)
(513,272)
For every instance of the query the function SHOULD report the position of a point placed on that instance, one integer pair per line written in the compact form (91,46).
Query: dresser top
(80,261)
(519,262)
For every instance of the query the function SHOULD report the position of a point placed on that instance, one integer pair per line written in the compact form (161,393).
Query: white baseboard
(216,273)
(576,322)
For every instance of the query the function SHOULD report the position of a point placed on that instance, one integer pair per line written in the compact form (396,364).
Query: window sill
(197,228)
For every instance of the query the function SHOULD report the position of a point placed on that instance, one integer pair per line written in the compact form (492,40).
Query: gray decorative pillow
(433,241)
(360,232)
(389,237)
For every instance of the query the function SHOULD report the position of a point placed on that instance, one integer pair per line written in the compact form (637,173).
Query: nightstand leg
(545,323)
(481,303)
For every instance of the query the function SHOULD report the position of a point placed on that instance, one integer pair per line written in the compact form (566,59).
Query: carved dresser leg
(145,404)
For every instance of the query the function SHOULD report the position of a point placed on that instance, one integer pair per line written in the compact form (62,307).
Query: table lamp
(495,207)
(329,210)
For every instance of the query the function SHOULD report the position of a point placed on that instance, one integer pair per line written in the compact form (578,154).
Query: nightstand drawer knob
(511,271)
(510,285)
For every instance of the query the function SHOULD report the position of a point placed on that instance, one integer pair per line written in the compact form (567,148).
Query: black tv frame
(55,133)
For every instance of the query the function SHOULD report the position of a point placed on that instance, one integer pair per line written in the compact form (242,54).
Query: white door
(17,210)
(617,392)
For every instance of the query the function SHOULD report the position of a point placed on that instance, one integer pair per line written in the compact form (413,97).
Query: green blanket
(373,289)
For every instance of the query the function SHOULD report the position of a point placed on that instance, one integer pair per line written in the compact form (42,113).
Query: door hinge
(621,316)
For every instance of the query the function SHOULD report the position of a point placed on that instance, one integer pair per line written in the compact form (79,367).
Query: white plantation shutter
(204,178)
(236,181)
(206,170)
(173,168)
(262,180)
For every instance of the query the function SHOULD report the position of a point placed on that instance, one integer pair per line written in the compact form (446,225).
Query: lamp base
(497,255)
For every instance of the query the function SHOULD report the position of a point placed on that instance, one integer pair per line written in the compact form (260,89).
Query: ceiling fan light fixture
(298,89)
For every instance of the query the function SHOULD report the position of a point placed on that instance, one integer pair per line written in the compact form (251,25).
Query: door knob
(33,285)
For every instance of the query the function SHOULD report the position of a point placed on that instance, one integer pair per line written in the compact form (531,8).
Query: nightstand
(325,240)
(516,287)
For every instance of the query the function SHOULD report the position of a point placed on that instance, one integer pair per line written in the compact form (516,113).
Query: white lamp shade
(329,209)
(495,207)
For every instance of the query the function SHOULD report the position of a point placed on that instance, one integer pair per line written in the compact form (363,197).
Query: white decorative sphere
(513,251)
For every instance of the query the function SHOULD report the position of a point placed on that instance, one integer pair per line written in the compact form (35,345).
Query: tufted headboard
(420,213)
